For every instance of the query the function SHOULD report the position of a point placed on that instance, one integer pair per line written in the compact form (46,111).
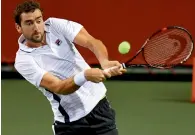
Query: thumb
(120,67)
(116,67)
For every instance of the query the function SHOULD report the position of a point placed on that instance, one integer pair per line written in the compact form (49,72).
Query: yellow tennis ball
(124,47)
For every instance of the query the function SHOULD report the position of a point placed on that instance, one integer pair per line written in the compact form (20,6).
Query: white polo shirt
(62,59)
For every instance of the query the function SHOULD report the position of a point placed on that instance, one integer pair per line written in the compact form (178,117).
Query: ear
(18,28)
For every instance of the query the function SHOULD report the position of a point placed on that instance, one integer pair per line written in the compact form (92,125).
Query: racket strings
(168,48)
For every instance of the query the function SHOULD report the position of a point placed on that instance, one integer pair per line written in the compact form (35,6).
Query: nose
(36,26)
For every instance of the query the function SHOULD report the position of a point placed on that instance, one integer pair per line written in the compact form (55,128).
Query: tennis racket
(166,48)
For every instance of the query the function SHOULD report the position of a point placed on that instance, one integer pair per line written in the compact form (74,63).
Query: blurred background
(145,103)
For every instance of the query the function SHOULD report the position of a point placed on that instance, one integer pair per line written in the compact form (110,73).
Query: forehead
(31,15)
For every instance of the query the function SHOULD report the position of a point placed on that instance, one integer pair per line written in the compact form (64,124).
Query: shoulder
(64,27)
(29,69)
(53,20)
(22,56)
(23,60)
(57,22)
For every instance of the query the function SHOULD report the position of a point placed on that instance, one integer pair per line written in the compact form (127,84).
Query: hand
(108,64)
(114,71)
(96,75)
(115,68)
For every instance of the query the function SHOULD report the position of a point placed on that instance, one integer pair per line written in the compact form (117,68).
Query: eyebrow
(35,19)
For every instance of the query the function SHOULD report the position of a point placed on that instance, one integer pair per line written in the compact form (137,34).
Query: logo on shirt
(58,42)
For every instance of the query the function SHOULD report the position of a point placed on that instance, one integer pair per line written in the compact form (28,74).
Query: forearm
(67,86)
(99,49)
(84,39)
(72,84)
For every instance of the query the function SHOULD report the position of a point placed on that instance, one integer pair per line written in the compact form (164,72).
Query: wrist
(104,62)
(80,79)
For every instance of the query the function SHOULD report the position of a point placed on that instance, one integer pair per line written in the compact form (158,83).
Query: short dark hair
(25,7)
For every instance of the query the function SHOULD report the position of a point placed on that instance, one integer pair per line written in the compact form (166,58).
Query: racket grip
(123,66)
(108,69)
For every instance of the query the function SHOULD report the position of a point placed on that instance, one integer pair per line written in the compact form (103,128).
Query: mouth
(36,34)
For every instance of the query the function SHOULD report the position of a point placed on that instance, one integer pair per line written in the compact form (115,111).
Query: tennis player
(48,59)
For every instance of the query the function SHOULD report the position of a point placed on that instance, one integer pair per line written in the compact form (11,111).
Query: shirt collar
(47,28)
(22,46)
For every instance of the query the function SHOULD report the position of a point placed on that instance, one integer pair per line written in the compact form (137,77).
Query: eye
(39,21)
(29,23)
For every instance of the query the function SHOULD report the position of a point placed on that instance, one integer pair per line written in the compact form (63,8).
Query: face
(32,26)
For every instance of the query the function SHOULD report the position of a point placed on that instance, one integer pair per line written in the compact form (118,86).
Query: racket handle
(123,65)
(108,69)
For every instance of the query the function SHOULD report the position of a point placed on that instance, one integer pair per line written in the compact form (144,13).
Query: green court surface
(142,108)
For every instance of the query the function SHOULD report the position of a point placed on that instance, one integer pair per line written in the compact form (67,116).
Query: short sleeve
(69,29)
(29,69)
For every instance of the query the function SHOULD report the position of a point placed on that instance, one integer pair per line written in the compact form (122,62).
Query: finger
(107,74)
(99,80)
(115,72)
(96,81)
(103,77)
(117,63)
(123,70)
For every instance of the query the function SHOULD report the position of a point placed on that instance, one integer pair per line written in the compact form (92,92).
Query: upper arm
(74,32)
(56,85)
(29,69)
(83,38)
(50,82)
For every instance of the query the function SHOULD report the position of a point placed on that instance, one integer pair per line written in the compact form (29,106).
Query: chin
(36,41)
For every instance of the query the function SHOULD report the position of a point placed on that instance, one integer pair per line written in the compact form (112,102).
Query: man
(48,59)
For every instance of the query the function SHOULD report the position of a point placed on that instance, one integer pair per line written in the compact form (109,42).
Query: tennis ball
(124,47)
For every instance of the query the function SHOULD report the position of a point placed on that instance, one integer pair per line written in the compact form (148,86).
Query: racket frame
(126,64)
